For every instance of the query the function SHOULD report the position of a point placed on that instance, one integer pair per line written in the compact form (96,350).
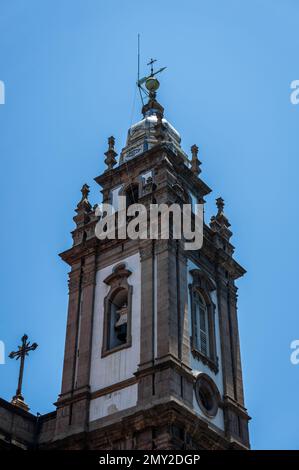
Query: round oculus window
(207,395)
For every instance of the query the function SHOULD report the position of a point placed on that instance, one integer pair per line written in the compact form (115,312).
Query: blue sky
(69,69)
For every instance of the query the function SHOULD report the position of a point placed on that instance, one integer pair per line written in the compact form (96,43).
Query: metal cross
(22,352)
(151,63)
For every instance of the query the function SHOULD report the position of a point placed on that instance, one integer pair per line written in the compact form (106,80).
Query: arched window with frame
(201,325)
(117,318)
(203,335)
(117,311)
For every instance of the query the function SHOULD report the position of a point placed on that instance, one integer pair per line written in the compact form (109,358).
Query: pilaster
(73,402)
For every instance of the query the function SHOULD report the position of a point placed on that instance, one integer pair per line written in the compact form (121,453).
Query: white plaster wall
(115,198)
(113,402)
(119,365)
(197,366)
(193,201)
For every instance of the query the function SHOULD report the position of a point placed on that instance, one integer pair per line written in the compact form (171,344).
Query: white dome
(148,124)
(142,136)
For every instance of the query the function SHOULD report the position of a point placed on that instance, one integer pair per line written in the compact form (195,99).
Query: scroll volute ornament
(119,277)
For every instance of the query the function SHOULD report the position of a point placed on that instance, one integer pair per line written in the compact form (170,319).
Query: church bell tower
(152,357)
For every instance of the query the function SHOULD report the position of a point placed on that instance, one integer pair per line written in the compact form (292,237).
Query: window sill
(106,352)
(213,365)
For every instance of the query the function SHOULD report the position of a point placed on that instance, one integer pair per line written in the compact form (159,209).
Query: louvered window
(201,325)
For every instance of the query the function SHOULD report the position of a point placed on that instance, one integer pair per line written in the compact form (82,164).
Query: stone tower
(152,358)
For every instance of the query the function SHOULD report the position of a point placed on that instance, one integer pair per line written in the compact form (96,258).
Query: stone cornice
(16,410)
(164,363)
(232,404)
(74,254)
(121,425)
(148,160)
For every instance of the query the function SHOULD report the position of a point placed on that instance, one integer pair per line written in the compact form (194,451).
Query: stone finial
(219,222)
(160,129)
(195,162)
(85,192)
(154,107)
(111,142)
(110,159)
(83,209)
(84,204)
(220,205)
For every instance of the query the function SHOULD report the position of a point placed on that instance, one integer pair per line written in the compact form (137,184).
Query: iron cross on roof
(151,63)
(21,353)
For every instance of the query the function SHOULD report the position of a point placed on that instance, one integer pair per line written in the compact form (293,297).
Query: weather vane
(21,353)
(151,83)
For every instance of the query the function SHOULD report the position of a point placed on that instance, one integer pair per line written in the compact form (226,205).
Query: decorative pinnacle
(159,128)
(111,142)
(220,205)
(110,159)
(85,192)
(83,204)
(194,150)
(220,223)
(195,163)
